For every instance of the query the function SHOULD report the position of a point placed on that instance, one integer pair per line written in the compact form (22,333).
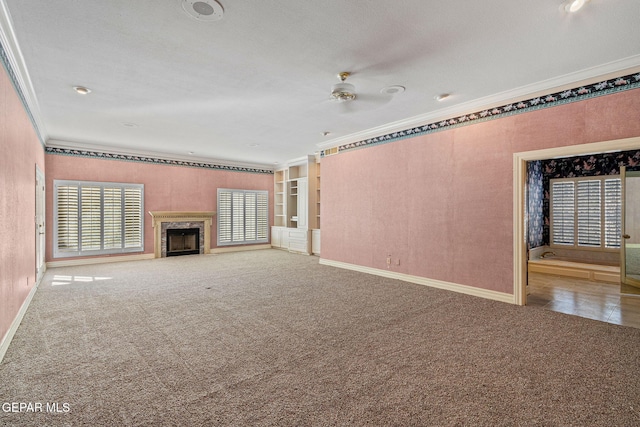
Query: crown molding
(94,151)
(17,69)
(584,77)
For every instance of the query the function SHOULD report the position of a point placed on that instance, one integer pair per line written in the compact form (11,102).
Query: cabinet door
(303,203)
(276,237)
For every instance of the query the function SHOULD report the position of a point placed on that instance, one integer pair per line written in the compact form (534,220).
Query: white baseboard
(4,344)
(239,248)
(454,287)
(139,257)
(99,260)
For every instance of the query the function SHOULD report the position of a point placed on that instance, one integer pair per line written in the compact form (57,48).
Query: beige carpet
(271,338)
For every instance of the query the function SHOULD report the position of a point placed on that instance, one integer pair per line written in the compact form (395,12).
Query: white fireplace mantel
(180,216)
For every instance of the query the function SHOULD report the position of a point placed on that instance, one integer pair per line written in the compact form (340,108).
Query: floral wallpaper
(570,167)
(535,213)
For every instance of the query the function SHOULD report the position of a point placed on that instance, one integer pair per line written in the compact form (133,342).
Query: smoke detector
(203,10)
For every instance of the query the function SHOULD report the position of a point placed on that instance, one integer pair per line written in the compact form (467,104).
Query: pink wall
(20,151)
(443,203)
(166,188)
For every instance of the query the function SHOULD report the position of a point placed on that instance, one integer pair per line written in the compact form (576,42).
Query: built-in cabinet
(297,207)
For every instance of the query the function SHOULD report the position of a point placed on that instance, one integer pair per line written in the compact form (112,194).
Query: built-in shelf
(296,205)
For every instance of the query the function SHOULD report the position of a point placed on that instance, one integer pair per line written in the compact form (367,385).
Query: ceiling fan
(344,93)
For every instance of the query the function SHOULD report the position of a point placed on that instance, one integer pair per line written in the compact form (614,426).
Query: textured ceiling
(253,88)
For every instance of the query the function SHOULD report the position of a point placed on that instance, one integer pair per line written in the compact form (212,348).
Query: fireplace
(183,241)
(164,221)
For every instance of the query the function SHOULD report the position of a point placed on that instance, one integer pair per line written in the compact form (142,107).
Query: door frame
(519,190)
(40,228)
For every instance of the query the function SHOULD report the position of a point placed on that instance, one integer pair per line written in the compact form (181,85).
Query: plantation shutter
(238,216)
(563,212)
(224,216)
(243,216)
(250,216)
(586,212)
(93,218)
(67,216)
(589,213)
(262,209)
(612,212)
(133,219)
(112,218)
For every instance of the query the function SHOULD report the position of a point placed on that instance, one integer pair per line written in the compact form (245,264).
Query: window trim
(57,253)
(603,226)
(220,216)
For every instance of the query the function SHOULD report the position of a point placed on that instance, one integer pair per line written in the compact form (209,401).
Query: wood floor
(594,300)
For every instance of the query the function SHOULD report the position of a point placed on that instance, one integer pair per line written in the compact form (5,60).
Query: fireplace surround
(181,220)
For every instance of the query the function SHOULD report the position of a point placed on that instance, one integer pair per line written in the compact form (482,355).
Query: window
(95,218)
(585,212)
(243,217)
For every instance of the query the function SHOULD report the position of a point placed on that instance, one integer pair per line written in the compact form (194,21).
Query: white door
(39,224)
(630,245)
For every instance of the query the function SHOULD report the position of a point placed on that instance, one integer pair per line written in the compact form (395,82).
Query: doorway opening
(520,190)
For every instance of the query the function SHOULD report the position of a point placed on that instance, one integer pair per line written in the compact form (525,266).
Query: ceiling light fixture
(82,90)
(441,97)
(203,10)
(342,91)
(572,6)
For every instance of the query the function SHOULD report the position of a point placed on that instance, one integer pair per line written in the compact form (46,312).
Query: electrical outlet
(398,261)
(388,261)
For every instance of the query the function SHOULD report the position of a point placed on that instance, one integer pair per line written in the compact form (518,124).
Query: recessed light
(191,153)
(203,10)
(130,125)
(254,145)
(82,90)
(441,97)
(326,133)
(392,90)
(572,6)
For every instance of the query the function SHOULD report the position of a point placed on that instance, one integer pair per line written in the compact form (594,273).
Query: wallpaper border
(152,160)
(605,87)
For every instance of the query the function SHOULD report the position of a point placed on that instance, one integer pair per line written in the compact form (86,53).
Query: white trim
(17,63)
(6,340)
(82,146)
(228,249)
(98,260)
(519,173)
(448,286)
(583,77)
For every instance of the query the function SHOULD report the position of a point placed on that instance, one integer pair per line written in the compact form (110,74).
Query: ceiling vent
(203,10)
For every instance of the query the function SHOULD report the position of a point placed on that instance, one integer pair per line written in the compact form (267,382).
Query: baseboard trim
(99,260)
(448,286)
(239,248)
(6,340)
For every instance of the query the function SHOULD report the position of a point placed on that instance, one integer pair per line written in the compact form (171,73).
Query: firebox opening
(183,241)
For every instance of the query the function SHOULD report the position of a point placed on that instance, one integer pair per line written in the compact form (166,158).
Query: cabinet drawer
(298,234)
